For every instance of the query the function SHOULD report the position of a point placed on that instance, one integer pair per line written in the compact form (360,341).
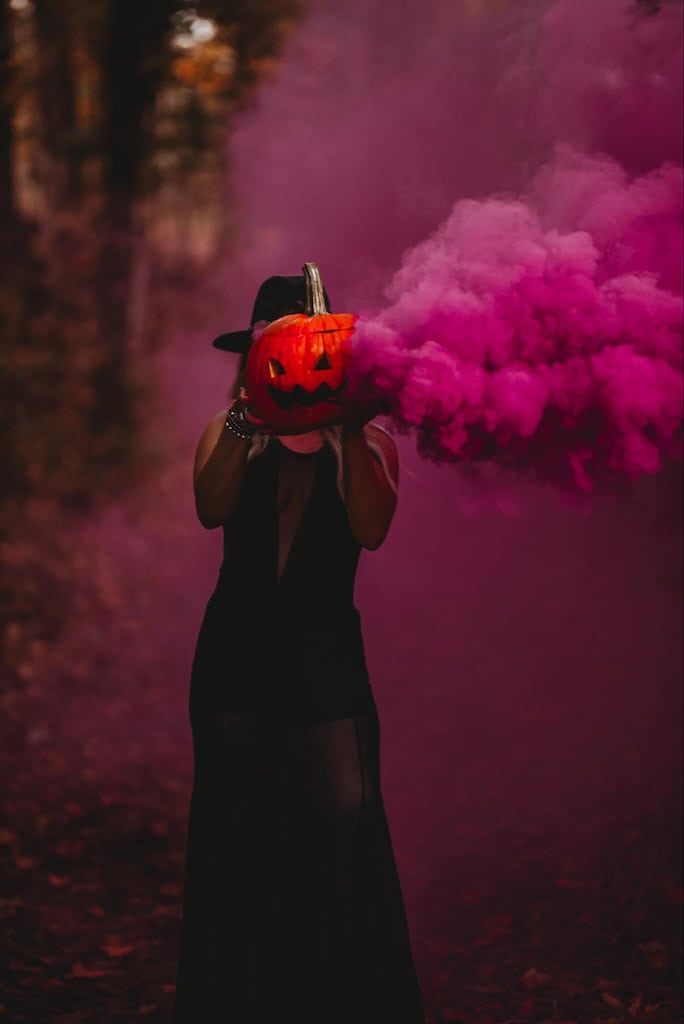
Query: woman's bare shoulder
(214,426)
(376,431)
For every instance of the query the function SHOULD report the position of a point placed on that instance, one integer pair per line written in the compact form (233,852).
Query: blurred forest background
(533,773)
(112,119)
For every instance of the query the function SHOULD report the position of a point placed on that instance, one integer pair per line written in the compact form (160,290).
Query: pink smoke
(538,326)
(542,331)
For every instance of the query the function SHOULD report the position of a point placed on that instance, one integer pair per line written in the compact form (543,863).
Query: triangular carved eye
(275,367)
(323,362)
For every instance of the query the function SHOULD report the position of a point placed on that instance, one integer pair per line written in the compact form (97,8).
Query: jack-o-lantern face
(296,370)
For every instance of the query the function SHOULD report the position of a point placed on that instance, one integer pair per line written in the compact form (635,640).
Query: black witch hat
(276,297)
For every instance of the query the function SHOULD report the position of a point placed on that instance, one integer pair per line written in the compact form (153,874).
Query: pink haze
(537,329)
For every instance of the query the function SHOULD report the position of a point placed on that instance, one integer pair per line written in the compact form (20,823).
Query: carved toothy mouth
(300,396)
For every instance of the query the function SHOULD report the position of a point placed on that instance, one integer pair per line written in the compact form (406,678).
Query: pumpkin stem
(315,296)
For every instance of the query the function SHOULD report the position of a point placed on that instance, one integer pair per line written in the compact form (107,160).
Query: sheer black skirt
(292,904)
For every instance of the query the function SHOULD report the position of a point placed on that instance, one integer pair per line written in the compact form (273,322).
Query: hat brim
(234,341)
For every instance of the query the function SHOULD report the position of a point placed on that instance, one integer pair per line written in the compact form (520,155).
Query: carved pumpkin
(296,369)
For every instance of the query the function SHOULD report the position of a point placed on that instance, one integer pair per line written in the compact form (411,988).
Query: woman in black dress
(292,904)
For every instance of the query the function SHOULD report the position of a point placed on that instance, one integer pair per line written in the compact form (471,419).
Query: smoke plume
(541,329)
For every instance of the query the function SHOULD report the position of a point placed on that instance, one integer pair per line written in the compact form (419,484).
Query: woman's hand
(243,399)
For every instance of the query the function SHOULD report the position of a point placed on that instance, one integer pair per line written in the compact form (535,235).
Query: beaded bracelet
(237,422)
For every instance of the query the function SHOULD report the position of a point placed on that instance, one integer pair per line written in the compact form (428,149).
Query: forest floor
(92,901)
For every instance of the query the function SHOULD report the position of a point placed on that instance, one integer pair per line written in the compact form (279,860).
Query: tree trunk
(56,102)
(8,212)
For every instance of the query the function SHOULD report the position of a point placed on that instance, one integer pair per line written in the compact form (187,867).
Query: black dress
(292,905)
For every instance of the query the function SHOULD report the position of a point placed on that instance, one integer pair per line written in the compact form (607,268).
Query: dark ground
(92,869)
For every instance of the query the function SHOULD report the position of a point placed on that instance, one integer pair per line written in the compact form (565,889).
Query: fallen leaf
(24,863)
(656,954)
(535,979)
(452,1016)
(69,847)
(651,947)
(611,1000)
(527,1007)
(170,889)
(165,912)
(634,1006)
(79,971)
(115,949)
(496,928)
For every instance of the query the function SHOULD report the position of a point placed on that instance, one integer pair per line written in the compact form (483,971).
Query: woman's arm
(219,470)
(369,497)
